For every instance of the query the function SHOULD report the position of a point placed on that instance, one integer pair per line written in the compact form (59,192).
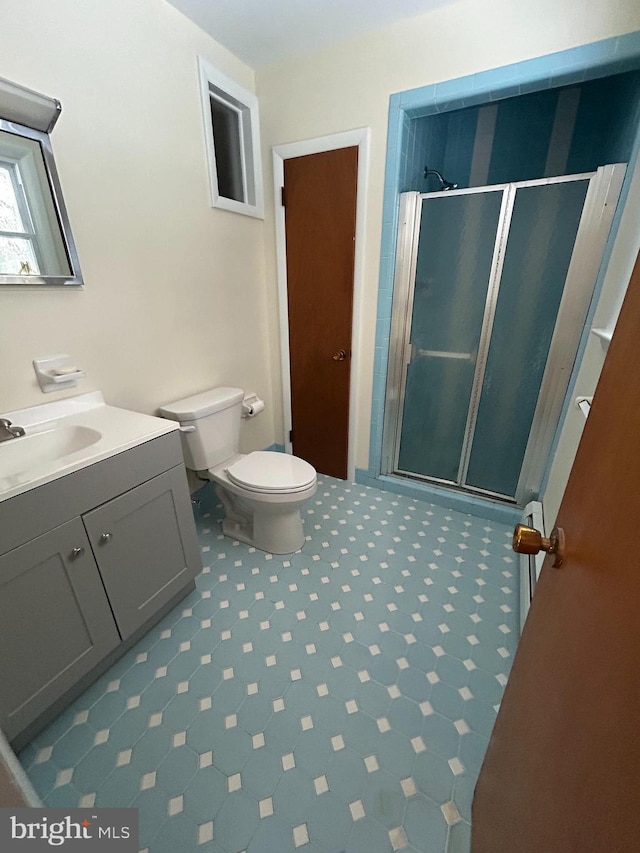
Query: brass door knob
(528,540)
(340,355)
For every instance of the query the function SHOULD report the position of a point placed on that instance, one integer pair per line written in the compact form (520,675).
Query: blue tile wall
(606,122)
(458,145)
(522,133)
(604,133)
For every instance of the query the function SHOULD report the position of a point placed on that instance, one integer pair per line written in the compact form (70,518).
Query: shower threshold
(452,486)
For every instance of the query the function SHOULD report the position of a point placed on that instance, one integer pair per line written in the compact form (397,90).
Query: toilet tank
(213,422)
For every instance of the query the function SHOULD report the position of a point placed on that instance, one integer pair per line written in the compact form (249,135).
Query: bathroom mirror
(36,246)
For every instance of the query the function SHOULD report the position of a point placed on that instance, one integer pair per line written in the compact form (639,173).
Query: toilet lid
(268,471)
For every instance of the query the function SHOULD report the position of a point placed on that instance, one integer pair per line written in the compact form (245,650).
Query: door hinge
(283,197)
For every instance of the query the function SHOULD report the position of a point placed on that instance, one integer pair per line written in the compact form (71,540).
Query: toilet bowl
(262,492)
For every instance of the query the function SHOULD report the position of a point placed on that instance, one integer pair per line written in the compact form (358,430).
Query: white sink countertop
(66,435)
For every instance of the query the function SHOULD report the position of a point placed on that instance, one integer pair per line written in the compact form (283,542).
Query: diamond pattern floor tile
(336,699)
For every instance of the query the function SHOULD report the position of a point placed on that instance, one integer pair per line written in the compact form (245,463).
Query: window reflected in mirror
(36,246)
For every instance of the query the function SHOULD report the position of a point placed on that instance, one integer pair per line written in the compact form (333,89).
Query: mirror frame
(75,278)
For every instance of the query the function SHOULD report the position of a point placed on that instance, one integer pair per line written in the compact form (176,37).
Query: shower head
(444,185)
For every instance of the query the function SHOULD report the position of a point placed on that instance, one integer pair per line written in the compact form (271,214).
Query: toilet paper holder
(251,405)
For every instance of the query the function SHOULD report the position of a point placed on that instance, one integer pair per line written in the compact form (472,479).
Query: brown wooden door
(562,772)
(320,215)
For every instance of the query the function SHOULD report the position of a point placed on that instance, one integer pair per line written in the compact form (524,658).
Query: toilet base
(272,527)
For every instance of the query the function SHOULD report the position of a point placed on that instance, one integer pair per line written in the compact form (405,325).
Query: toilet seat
(271,472)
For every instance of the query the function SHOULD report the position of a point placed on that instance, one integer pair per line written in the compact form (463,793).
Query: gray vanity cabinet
(140,549)
(88,563)
(55,622)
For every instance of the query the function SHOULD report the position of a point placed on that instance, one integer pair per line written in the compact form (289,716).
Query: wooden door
(562,772)
(320,216)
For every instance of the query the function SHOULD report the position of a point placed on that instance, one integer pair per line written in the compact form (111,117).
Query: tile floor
(336,699)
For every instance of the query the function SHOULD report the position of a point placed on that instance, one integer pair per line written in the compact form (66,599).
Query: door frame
(358,138)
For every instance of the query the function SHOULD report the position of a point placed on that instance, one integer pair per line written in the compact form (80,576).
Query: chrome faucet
(8,431)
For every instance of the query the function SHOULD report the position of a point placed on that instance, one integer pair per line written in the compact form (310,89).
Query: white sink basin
(66,435)
(43,448)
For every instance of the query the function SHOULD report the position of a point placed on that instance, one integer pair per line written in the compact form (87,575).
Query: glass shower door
(491,294)
(455,261)
(542,234)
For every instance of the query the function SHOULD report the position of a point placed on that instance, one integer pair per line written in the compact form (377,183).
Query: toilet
(261,492)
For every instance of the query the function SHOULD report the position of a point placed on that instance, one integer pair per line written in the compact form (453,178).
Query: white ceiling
(261,32)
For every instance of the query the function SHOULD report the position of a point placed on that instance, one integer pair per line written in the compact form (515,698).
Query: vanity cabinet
(91,561)
(55,622)
(141,529)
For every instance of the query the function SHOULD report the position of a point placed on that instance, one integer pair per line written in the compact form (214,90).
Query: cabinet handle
(77,552)
(105,537)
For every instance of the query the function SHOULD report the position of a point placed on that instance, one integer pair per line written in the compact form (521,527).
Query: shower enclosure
(491,293)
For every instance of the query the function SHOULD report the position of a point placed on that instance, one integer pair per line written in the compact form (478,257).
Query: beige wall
(178,296)
(174,299)
(349,86)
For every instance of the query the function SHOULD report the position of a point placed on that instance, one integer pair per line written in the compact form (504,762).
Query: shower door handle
(528,540)
(435,353)
(412,352)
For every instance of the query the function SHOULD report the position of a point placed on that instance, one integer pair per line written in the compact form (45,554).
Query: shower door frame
(595,222)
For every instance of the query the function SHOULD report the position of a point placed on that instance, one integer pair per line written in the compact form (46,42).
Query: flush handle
(528,540)
(340,355)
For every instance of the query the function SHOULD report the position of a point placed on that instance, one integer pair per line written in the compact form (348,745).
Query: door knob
(340,355)
(528,540)
(77,552)
(105,537)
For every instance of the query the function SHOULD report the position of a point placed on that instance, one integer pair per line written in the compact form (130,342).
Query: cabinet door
(145,545)
(55,622)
